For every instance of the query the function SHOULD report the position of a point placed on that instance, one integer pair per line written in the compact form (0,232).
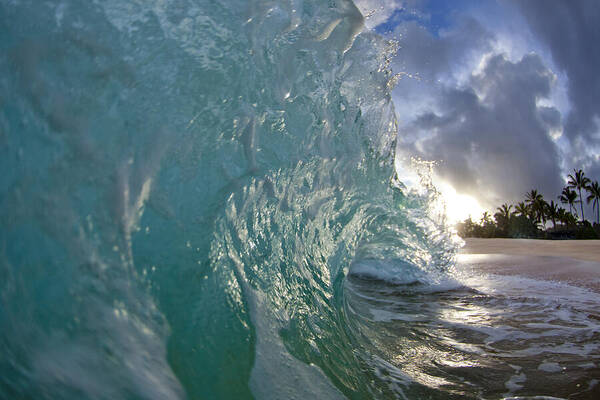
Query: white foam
(588,365)
(397,271)
(514,382)
(534,398)
(400,272)
(550,367)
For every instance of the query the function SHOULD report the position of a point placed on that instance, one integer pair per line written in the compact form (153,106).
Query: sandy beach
(574,261)
(585,250)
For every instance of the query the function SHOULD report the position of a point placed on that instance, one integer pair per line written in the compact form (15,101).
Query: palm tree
(552,212)
(569,197)
(562,216)
(536,203)
(543,208)
(504,211)
(579,181)
(485,218)
(570,218)
(594,195)
(486,229)
(503,216)
(566,217)
(522,209)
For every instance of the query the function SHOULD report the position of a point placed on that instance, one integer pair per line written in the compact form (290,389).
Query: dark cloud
(433,56)
(571,30)
(490,135)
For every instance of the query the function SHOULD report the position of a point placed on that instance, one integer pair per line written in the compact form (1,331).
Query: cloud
(490,134)
(506,95)
(430,64)
(434,57)
(570,30)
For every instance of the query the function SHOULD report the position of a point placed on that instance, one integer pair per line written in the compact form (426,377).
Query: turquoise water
(191,192)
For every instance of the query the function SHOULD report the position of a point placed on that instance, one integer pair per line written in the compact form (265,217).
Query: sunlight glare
(458,206)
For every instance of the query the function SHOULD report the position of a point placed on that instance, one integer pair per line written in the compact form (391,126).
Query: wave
(186,187)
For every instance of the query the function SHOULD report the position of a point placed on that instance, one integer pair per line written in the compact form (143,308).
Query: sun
(458,206)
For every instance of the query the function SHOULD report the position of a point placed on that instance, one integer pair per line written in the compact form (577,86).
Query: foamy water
(489,336)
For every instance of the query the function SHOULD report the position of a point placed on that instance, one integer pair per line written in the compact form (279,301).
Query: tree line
(530,218)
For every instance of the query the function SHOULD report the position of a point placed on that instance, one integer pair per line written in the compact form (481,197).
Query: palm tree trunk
(581,204)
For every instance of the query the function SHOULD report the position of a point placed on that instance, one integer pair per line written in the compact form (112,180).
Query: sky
(504,95)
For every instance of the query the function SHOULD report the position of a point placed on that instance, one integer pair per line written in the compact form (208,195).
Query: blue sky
(505,95)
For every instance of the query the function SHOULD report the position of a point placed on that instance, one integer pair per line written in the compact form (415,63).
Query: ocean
(202,199)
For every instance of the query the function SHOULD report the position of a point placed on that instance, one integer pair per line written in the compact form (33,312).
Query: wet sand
(574,261)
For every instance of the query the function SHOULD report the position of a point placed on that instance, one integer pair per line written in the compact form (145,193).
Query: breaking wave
(187,187)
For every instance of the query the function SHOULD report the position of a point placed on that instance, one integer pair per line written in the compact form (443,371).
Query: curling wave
(186,187)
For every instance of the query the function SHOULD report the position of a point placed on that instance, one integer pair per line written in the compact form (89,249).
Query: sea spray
(185,187)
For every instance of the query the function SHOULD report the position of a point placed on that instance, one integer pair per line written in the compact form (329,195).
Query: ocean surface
(201,199)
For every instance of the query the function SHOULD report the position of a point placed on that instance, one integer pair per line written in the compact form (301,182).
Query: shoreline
(585,250)
(576,262)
